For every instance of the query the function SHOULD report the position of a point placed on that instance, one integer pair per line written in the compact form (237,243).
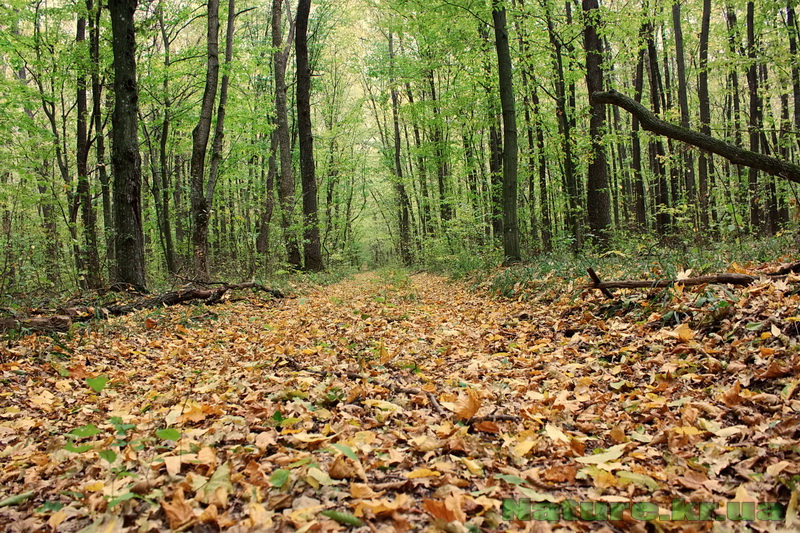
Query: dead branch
(63,318)
(50,323)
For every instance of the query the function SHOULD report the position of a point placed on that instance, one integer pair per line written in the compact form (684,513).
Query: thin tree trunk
(219,127)
(754,124)
(201,211)
(657,154)
(403,204)
(90,277)
(705,166)
(683,103)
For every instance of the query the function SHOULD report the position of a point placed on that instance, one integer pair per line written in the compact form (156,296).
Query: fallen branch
(63,318)
(734,154)
(49,323)
(720,279)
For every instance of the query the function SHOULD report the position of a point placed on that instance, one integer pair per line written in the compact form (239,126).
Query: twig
(592,274)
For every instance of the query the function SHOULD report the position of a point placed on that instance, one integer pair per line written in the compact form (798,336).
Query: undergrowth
(628,258)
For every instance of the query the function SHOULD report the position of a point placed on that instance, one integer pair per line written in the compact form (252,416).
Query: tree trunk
(219,127)
(598,201)
(311,240)
(90,258)
(683,103)
(754,123)
(95,13)
(657,154)
(640,206)
(705,166)
(565,130)
(403,204)
(286,187)
(510,228)
(125,159)
(201,210)
(164,170)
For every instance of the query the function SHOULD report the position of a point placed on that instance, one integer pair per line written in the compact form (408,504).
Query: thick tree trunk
(201,210)
(125,159)
(510,228)
(598,201)
(312,251)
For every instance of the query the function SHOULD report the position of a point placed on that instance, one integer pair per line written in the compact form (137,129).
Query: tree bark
(657,154)
(219,127)
(683,103)
(286,187)
(312,251)
(95,14)
(510,228)
(754,124)
(705,167)
(404,205)
(201,210)
(598,201)
(125,158)
(90,277)
(565,130)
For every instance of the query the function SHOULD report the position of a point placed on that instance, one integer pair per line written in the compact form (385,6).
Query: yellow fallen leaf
(384,506)
(688,430)
(94,487)
(684,332)
(363,491)
(422,472)
(555,433)
(474,467)
(522,448)
(615,452)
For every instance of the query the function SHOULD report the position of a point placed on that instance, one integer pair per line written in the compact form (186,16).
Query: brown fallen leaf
(178,511)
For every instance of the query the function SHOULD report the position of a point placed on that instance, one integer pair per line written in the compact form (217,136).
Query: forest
(263,138)
(321,265)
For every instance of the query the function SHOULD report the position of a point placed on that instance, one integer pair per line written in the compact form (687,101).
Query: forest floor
(396,402)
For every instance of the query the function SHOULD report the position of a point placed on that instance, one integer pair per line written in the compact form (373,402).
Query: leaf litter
(399,403)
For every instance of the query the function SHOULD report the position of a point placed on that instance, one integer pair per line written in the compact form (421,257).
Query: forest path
(398,401)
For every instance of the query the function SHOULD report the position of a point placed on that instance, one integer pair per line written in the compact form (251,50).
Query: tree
(286,182)
(312,251)
(598,201)
(125,158)
(510,227)
(201,206)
